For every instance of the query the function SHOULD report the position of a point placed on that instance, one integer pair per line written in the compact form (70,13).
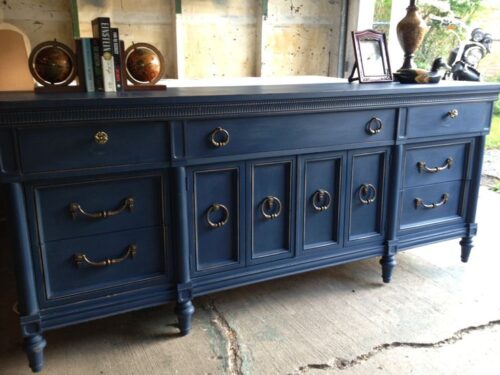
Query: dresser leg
(388,262)
(34,346)
(467,245)
(184,311)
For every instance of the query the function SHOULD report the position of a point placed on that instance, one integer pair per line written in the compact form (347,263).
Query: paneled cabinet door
(368,175)
(270,209)
(216,198)
(322,201)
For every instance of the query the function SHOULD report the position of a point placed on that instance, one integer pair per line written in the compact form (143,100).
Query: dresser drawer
(80,147)
(79,265)
(433,204)
(212,138)
(95,207)
(430,164)
(448,119)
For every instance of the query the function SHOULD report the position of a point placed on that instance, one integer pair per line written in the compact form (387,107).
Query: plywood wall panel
(300,37)
(219,38)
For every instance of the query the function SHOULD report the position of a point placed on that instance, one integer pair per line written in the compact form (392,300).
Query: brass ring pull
(321,200)
(271,208)
(371,129)
(367,193)
(420,203)
(83,259)
(219,137)
(101,138)
(217,207)
(422,166)
(453,114)
(75,209)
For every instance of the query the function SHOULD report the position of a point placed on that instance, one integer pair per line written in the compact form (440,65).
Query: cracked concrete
(233,358)
(331,321)
(343,364)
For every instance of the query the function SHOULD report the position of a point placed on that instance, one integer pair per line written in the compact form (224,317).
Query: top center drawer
(213,138)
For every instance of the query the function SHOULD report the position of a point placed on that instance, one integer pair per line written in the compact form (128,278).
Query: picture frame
(372,57)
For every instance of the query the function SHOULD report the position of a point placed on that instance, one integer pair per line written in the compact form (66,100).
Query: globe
(53,65)
(144,64)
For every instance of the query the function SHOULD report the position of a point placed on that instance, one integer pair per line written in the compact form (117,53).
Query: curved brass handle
(219,137)
(217,207)
(101,138)
(453,113)
(321,200)
(367,193)
(75,209)
(420,203)
(270,207)
(422,166)
(371,129)
(80,259)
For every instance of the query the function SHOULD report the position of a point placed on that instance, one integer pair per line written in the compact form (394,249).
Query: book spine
(101,29)
(88,64)
(96,58)
(80,69)
(117,57)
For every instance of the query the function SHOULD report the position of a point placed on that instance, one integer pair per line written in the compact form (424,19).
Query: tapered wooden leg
(184,311)
(388,262)
(467,245)
(34,346)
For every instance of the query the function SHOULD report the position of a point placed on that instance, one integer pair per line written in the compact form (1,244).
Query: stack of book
(100,58)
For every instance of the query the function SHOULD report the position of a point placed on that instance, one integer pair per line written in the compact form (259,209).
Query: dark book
(80,65)
(101,29)
(88,65)
(115,36)
(97,65)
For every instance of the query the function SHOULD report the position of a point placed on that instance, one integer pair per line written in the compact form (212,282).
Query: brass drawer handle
(217,207)
(271,208)
(75,209)
(219,137)
(101,138)
(83,259)
(374,126)
(321,200)
(453,114)
(367,193)
(420,203)
(422,166)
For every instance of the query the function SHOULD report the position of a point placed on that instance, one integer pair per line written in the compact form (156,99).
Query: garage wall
(204,38)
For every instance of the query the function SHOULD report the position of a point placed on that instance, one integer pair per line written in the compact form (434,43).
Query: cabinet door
(321,202)
(272,194)
(216,223)
(368,171)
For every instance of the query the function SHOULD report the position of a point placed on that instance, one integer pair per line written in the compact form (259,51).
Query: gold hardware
(80,259)
(101,138)
(374,130)
(453,113)
(270,208)
(422,166)
(367,193)
(75,209)
(217,207)
(219,137)
(321,200)
(444,199)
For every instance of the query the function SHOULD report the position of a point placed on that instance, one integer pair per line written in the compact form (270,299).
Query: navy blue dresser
(126,201)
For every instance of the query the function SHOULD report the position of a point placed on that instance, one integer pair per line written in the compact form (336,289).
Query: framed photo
(372,58)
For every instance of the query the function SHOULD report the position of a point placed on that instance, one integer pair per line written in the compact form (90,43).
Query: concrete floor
(438,316)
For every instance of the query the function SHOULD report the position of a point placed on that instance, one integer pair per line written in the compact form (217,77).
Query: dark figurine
(421,75)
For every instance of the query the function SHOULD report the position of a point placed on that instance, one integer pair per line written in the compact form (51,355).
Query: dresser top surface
(219,94)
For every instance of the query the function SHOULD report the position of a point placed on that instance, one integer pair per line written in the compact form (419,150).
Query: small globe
(53,65)
(144,64)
